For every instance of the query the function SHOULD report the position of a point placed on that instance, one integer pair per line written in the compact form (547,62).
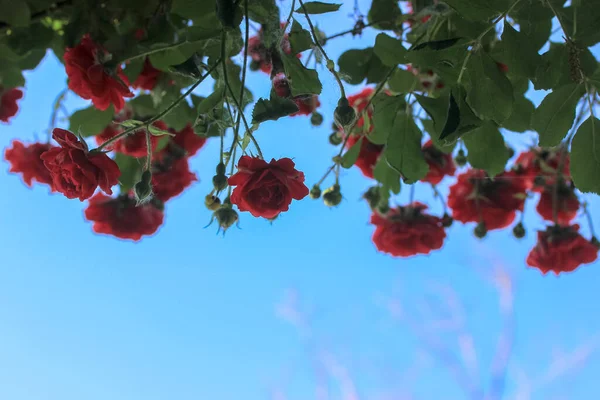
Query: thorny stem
(330,63)
(148,151)
(162,114)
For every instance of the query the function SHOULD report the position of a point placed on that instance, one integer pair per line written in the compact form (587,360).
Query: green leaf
(193,9)
(318,7)
(385,109)
(90,121)
(180,116)
(479,10)
(389,50)
(555,115)
(131,123)
(189,68)
(588,23)
(445,119)
(302,79)
(554,70)
(11,77)
(490,93)
(445,62)
(351,155)
(154,131)
(15,12)
(486,149)
(585,156)
(402,81)
(386,175)
(273,109)
(521,56)
(143,106)
(460,118)
(263,11)
(384,14)
(358,65)
(300,38)
(133,69)
(520,119)
(429,127)
(437,44)
(211,102)
(131,171)
(403,148)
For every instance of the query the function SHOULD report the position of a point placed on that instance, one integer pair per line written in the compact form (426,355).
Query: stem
(330,63)
(231,157)
(326,175)
(562,25)
(588,215)
(411,196)
(437,194)
(353,30)
(57,106)
(287,22)
(161,115)
(148,151)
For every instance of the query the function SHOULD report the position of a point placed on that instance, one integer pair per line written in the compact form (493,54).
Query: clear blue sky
(190,315)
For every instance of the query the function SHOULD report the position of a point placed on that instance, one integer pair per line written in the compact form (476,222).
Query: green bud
(315,192)
(447,221)
(595,241)
(220,168)
(316,119)
(143,189)
(373,196)
(480,230)
(332,196)
(461,158)
(344,114)
(383,208)
(219,182)
(226,217)
(212,202)
(519,231)
(335,139)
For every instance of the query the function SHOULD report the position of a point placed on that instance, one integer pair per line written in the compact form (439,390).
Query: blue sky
(188,314)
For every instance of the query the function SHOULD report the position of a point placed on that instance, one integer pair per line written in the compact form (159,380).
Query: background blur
(304,308)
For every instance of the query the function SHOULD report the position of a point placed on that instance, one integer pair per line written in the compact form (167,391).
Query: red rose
(188,140)
(133,145)
(261,55)
(543,165)
(88,77)
(8,103)
(306,105)
(368,155)
(440,164)
(477,198)
(75,171)
(148,77)
(407,231)
(122,218)
(171,178)
(265,190)
(26,160)
(561,249)
(567,204)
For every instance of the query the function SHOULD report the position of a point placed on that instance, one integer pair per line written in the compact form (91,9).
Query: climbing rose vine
(427,104)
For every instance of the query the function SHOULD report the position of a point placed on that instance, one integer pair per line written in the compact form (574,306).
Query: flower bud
(315,192)
(344,114)
(219,182)
(519,231)
(212,202)
(335,139)
(316,119)
(373,196)
(332,196)
(158,204)
(480,230)
(254,65)
(383,208)
(447,220)
(594,240)
(461,158)
(143,189)
(220,168)
(225,216)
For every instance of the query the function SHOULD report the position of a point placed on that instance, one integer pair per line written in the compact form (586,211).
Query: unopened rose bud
(220,169)
(519,231)
(373,196)
(480,230)
(344,115)
(383,208)
(212,202)
(595,241)
(316,119)
(461,158)
(143,189)
(332,196)
(219,182)
(447,221)
(225,216)
(315,192)
(335,139)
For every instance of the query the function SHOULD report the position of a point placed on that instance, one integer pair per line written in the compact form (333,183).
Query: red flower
(561,249)
(567,204)
(359,101)
(477,198)
(75,171)
(306,105)
(89,79)
(133,145)
(188,140)
(265,190)
(261,55)
(407,231)
(368,155)
(148,77)
(171,178)
(26,160)
(440,164)
(120,217)
(543,165)
(8,103)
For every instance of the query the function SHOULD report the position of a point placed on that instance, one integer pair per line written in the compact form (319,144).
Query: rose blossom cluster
(492,203)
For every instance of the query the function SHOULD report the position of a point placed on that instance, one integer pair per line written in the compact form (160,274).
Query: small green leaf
(585,156)
(302,79)
(273,109)
(193,9)
(479,10)
(351,155)
(131,171)
(384,14)
(490,93)
(452,122)
(211,102)
(402,81)
(143,106)
(386,175)
(486,149)
(90,121)
(131,123)
(521,56)
(403,148)
(389,50)
(154,131)
(15,12)
(134,68)
(263,11)
(300,38)
(555,115)
(318,7)
(358,65)
(520,119)
(189,68)
(437,44)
